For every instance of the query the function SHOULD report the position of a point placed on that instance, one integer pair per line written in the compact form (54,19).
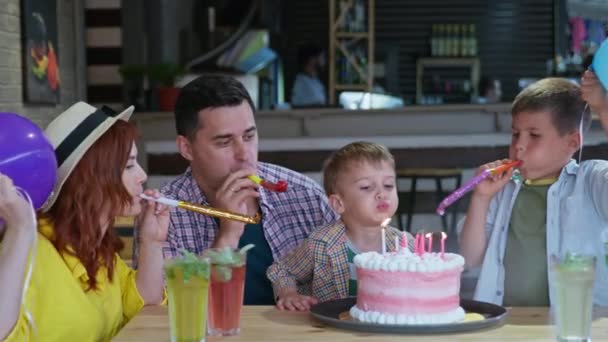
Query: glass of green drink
(572,277)
(188,291)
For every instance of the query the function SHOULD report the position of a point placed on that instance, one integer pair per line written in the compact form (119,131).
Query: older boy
(513,227)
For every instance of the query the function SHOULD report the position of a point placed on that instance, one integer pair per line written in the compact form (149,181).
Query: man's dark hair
(306,52)
(559,97)
(207,91)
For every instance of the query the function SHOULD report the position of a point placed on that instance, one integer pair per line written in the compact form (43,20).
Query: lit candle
(443,237)
(383,225)
(404,241)
(430,237)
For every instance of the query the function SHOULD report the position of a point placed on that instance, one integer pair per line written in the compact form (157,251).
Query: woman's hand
(15,210)
(153,222)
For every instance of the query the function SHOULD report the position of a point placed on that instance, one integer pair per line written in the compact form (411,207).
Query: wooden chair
(124,228)
(437,175)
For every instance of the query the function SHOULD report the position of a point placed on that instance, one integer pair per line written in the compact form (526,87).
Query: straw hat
(73,132)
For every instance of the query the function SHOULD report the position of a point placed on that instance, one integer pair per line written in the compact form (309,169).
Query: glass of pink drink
(226,290)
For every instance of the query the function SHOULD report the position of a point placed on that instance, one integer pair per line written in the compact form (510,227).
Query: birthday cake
(408,288)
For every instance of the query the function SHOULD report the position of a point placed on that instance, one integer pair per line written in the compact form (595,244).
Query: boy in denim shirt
(514,226)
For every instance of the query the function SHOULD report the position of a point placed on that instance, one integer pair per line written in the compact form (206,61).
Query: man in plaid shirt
(217,135)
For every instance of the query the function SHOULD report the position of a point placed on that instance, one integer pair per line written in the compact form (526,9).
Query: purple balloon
(27,157)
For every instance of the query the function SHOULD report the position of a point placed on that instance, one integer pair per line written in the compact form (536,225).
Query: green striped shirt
(351,252)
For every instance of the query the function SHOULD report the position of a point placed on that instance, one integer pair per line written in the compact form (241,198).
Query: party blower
(468,186)
(280,186)
(205,210)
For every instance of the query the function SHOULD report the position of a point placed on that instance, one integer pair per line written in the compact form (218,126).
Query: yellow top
(61,309)
(541,181)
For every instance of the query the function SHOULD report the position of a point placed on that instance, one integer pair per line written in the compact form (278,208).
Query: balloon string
(28,315)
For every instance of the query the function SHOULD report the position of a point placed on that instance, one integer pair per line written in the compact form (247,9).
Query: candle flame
(385,222)
(428,235)
(444,235)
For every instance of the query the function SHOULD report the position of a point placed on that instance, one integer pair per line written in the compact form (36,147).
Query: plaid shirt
(287,218)
(319,266)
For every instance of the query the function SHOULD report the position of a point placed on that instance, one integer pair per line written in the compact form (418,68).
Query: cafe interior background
(407,74)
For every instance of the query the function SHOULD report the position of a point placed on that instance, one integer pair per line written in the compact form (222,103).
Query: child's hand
(593,92)
(491,185)
(292,301)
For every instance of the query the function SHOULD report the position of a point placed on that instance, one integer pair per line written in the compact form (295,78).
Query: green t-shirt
(351,252)
(525,261)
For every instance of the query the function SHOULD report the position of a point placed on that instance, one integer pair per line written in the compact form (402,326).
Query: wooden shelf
(352,34)
(447,61)
(338,41)
(450,62)
(350,86)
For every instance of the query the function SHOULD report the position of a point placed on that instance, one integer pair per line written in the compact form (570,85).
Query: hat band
(81,132)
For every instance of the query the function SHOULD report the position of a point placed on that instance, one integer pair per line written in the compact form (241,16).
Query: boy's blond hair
(559,97)
(360,151)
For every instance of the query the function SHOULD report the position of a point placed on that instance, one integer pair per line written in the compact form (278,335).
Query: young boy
(359,180)
(513,227)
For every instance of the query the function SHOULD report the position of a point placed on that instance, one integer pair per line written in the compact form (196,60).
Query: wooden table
(265,323)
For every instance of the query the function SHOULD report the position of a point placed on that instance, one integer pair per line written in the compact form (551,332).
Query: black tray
(330,312)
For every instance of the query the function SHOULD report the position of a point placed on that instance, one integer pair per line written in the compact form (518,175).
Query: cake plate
(336,313)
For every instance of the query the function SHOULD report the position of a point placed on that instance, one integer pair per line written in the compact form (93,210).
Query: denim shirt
(577,213)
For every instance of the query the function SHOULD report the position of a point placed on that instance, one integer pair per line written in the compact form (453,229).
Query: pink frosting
(408,292)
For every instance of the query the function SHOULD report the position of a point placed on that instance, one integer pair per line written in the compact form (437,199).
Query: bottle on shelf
(456,41)
(441,40)
(449,40)
(434,41)
(464,41)
(472,40)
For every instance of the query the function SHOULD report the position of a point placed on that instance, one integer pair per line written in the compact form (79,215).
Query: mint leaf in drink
(575,261)
(190,266)
(223,260)
(169,273)
(222,273)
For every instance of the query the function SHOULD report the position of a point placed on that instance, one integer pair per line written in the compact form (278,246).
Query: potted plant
(133,77)
(165,75)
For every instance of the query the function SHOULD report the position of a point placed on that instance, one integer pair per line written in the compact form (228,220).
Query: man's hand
(234,195)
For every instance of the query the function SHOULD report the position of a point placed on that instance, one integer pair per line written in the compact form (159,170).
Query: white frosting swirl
(404,260)
(455,315)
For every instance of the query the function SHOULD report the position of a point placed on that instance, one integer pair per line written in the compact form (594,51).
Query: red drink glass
(226,292)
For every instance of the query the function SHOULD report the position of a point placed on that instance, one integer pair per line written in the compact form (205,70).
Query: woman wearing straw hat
(80,289)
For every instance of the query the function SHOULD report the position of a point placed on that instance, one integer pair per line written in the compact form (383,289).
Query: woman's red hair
(94,186)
